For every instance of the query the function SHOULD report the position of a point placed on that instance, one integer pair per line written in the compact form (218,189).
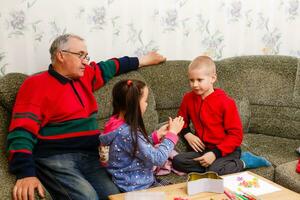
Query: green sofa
(266,89)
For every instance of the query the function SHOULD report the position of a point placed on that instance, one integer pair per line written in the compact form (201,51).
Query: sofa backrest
(9,86)
(272,85)
(266,89)
(7,181)
(168,82)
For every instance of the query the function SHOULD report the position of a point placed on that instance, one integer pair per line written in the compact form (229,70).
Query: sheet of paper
(145,196)
(248,183)
(205,185)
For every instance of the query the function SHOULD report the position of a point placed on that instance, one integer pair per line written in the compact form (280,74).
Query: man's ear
(59,56)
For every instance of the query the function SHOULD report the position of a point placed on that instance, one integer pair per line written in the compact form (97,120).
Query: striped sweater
(54,115)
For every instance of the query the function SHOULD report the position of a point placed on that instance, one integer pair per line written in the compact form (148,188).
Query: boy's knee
(179,159)
(227,168)
(176,158)
(217,169)
(177,162)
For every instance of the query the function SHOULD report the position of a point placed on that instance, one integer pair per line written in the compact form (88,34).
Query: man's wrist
(140,62)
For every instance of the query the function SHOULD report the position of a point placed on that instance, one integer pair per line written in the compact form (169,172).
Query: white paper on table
(205,185)
(232,183)
(145,196)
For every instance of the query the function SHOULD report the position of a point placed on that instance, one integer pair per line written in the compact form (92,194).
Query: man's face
(74,58)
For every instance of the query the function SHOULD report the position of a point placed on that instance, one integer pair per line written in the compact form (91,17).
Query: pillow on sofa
(9,87)
(169,83)
(245,113)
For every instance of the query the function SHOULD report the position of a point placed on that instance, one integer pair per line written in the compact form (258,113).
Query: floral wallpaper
(179,29)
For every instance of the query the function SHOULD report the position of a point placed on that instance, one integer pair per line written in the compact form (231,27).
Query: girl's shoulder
(125,131)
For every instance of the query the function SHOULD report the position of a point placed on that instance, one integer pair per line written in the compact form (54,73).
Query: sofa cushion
(7,180)
(276,149)
(268,80)
(281,121)
(165,113)
(9,87)
(270,83)
(244,111)
(266,172)
(4,123)
(173,178)
(228,78)
(287,176)
(168,81)
(104,100)
(297,85)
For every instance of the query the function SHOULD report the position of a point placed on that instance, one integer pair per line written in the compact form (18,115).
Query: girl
(132,154)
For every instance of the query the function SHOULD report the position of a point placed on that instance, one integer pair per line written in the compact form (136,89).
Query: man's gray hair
(60,43)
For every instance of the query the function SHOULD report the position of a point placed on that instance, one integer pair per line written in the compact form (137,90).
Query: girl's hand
(176,124)
(162,131)
(207,159)
(194,142)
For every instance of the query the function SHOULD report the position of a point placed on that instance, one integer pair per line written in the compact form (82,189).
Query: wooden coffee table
(179,190)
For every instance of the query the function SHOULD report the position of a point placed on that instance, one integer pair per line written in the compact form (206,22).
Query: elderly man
(53,135)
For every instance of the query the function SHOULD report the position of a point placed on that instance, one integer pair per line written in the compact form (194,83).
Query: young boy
(219,133)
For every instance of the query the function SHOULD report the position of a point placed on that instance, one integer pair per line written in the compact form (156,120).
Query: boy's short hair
(203,61)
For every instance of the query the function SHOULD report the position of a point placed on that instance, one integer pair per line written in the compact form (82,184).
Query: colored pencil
(241,197)
(229,194)
(252,197)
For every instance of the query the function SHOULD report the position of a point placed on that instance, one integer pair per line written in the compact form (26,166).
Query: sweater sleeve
(154,138)
(103,71)
(171,136)
(233,128)
(155,155)
(20,145)
(23,130)
(183,112)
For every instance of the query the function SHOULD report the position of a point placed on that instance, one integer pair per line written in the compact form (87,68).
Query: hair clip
(129,82)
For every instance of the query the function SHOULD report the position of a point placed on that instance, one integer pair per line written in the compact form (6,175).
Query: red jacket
(216,121)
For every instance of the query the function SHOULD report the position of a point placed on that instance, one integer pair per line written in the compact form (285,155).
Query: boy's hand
(194,142)
(162,131)
(152,58)
(176,124)
(207,159)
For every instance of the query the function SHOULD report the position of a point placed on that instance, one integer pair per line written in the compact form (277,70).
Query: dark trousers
(225,165)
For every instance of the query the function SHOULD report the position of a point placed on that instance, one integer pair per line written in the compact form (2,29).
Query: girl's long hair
(126,96)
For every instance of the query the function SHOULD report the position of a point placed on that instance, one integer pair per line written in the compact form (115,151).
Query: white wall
(179,29)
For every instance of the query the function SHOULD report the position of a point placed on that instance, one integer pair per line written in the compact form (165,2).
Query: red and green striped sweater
(55,115)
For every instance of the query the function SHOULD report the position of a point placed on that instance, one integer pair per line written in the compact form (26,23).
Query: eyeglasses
(81,55)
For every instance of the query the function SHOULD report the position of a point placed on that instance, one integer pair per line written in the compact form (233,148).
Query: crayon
(229,194)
